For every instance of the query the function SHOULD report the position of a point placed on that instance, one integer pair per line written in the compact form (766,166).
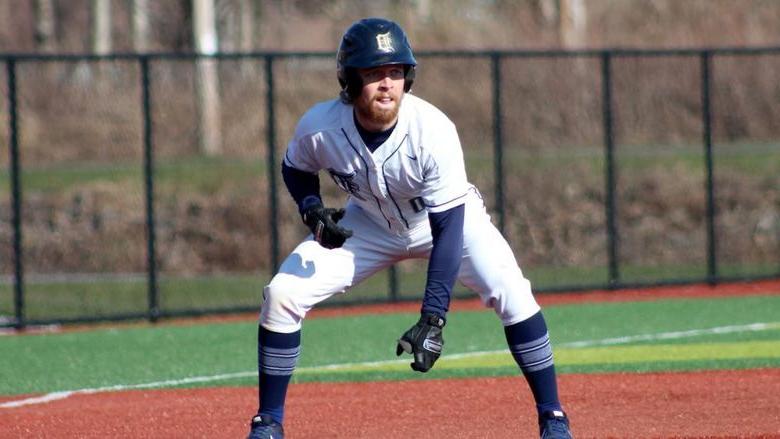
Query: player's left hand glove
(424,341)
(322,223)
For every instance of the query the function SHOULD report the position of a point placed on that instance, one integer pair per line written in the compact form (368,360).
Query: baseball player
(400,160)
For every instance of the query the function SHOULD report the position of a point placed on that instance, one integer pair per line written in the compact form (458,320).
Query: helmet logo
(385,43)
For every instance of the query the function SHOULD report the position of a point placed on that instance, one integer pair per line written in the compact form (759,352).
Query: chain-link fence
(141,186)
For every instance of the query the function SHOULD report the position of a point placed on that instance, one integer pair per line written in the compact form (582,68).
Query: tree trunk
(247,11)
(247,36)
(44,25)
(140,26)
(573,24)
(207,83)
(101,27)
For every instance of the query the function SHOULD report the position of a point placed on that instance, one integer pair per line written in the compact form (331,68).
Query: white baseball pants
(312,273)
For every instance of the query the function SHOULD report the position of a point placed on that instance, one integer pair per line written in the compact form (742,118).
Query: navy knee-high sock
(529,343)
(277,355)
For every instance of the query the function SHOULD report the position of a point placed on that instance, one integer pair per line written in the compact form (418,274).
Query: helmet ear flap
(351,85)
(409,74)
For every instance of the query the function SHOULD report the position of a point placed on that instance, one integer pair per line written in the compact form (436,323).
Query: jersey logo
(385,43)
(346,182)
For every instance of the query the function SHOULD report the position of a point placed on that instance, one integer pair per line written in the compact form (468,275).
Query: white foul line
(53,396)
(752,327)
(168,383)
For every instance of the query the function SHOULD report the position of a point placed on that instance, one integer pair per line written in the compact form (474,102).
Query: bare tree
(573,23)
(207,83)
(44,25)
(247,36)
(101,27)
(247,11)
(140,24)
(570,17)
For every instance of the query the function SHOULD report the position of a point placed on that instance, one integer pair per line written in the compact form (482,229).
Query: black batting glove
(322,223)
(424,341)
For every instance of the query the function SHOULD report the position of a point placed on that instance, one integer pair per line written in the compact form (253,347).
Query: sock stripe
(279,372)
(271,363)
(281,357)
(517,350)
(279,362)
(531,345)
(539,365)
(535,355)
(267,350)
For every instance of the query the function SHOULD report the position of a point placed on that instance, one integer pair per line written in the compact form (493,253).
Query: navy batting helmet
(372,42)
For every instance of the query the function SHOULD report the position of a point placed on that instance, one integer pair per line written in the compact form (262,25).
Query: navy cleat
(264,427)
(554,425)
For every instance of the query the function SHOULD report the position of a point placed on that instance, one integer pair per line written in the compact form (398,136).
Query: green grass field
(679,334)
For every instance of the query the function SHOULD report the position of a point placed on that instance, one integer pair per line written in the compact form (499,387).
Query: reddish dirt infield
(713,404)
(707,404)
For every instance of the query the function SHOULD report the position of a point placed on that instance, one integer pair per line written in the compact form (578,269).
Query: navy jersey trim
(384,176)
(465,194)
(368,178)
(287,158)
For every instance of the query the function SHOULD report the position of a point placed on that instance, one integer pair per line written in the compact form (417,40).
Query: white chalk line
(751,327)
(54,396)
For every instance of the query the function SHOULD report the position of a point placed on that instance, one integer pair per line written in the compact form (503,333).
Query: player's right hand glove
(424,341)
(322,223)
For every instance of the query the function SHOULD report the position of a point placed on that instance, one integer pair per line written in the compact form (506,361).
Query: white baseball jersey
(418,169)
(414,170)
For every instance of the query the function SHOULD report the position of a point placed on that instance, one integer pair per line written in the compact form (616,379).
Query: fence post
(16,194)
(498,147)
(392,279)
(706,115)
(609,170)
(151,253)
(271,141)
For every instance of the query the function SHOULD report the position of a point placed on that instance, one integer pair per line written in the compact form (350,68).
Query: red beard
(377,115)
